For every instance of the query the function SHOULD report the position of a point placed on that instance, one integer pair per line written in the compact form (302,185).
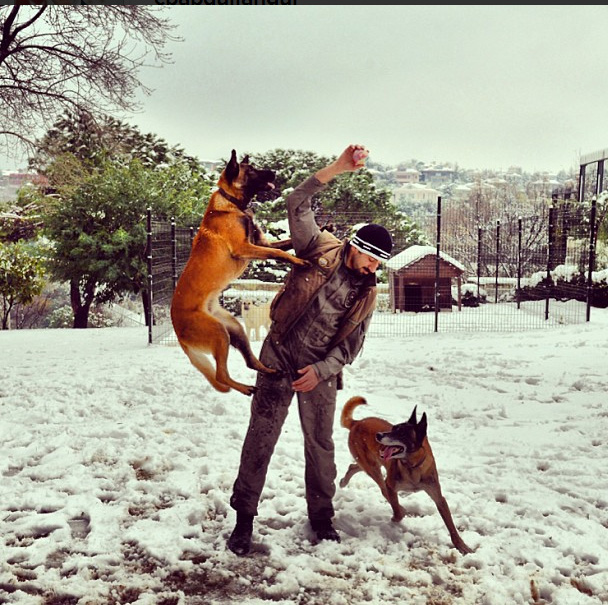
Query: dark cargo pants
(269,409)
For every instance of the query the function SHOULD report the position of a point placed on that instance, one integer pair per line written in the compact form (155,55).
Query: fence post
(150,317)
(479,232)
(497,261)
(549,259)
(599,181)
(173,253)
(437,265)
(581,183)
(519,232)
(592,236)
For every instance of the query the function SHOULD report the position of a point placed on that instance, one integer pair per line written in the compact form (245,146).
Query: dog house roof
(410,255)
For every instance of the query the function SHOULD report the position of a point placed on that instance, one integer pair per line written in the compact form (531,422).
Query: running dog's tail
(346,419)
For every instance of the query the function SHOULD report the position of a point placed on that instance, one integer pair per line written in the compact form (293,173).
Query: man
(319,320)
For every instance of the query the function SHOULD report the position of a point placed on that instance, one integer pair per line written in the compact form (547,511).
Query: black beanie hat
(373,240)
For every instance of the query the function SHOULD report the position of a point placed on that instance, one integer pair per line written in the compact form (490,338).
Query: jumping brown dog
(227,240)
(405,453)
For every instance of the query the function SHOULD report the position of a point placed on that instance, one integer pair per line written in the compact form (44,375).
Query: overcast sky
(480,86)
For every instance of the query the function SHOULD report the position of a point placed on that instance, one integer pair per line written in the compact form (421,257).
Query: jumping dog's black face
(249,180)
(403,439)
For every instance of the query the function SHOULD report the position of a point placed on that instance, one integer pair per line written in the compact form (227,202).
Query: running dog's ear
(232,168)
(421,429)
(412,419)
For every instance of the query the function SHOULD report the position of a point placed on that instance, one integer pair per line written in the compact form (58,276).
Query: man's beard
(358,272)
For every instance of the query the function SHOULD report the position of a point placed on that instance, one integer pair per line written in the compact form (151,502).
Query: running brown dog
(227,240)
(405,453)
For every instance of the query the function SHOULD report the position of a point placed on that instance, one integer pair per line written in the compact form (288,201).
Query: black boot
(240,538)
(325,530)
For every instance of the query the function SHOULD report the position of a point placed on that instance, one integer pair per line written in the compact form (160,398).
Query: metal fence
(482,269)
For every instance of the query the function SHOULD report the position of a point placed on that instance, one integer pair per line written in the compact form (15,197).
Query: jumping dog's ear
(245,160)
(232,168)
(412,419)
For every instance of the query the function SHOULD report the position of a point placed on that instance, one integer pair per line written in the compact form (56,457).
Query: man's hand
(344,163)
(307,381)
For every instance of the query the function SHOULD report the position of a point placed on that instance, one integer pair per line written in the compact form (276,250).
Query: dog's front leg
(434,491)
(283,244)
(248,251)
(393,499)
(446,515)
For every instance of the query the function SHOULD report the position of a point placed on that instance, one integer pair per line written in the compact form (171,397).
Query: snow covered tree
(94,139)
(347,202)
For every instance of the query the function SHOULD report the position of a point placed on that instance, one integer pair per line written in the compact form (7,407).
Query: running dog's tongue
(387,452)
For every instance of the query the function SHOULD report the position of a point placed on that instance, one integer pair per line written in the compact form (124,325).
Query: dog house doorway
(412,295)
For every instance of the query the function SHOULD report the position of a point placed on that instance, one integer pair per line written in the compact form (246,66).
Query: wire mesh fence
(498,270)
(480,269)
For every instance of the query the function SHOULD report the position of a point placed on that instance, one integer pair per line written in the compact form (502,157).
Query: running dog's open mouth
(391,451)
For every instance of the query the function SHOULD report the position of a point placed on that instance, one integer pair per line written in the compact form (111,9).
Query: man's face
(361,263)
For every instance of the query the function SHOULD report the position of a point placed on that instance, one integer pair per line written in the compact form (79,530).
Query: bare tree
(59,58)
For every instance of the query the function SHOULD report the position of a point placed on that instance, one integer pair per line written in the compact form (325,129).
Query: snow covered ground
(117,461)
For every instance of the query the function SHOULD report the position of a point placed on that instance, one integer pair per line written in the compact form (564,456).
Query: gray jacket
(321,314)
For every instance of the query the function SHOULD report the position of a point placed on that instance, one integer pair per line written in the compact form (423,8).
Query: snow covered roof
(410,255)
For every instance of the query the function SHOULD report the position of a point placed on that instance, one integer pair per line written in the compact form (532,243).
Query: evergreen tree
(21,277)
(98,229)
(103,174)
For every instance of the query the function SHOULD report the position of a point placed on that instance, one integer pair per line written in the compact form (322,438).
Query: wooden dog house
(412,275)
